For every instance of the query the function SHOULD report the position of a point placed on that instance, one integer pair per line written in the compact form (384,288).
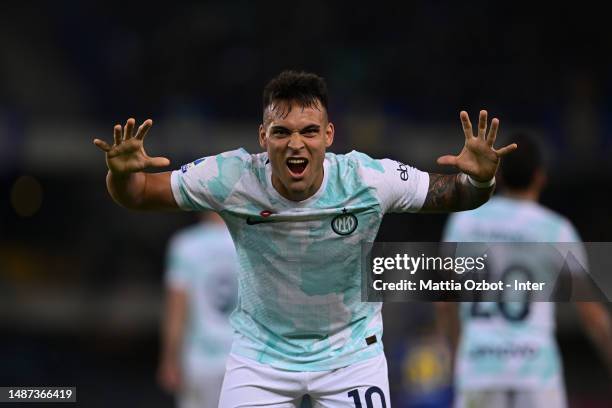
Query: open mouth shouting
(297,166)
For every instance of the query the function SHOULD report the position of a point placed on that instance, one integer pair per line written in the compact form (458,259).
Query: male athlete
(202,289)
(298,216)
(508,356)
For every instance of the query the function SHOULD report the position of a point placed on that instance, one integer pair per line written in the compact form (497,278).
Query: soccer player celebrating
(298,216)
(507,355)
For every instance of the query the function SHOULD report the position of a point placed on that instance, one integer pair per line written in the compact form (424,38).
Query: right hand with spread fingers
(127,154)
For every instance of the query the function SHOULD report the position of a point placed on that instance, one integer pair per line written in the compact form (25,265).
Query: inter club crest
(345,223)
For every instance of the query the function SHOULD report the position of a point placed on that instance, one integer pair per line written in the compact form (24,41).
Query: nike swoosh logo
(255,221)
(252,221)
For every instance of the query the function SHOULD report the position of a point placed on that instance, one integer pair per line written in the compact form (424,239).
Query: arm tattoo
(453,192)
(442,189)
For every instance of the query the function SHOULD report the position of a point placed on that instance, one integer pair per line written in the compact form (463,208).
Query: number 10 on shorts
(369,395)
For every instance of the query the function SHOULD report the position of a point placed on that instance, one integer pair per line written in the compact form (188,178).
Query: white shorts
(248,383)
(549,398)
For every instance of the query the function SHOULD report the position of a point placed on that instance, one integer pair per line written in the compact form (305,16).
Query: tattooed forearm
(442,193)
(453,192)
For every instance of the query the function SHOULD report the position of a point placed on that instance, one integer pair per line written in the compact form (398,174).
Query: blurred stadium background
(80,278)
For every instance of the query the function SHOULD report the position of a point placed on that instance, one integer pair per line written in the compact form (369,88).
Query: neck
(527,195)
(297,195)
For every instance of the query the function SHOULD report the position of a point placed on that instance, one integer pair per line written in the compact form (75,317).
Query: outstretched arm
(478,163)
(453,192)
(126,180)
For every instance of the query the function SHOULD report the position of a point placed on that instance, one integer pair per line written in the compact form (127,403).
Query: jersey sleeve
(206,183)
(399,187)
(567,233)
(572,248)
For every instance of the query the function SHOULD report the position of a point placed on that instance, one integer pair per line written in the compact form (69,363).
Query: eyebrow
(305,128)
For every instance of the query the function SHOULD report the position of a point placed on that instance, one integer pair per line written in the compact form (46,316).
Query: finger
(128,130)
(158,162)
(117,134)
(507,149)
(447,160)
(466,124)
(482,124)
(102,145)
(143,129)
(493,132)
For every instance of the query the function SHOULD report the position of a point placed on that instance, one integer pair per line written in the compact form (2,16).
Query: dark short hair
(305,88)
(519,167)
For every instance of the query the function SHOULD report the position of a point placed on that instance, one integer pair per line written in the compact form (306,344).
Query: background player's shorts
(201,384)
(248,383)
(549,398)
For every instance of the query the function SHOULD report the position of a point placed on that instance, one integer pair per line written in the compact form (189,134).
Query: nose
(295,141)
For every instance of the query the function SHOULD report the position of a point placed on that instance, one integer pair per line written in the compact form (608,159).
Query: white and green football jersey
(299,304)
(202,262)
(511,344)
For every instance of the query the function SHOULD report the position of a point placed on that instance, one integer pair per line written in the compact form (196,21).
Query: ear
(329,134)
(263,141)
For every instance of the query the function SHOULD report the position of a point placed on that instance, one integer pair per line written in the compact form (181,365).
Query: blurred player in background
(201,282)
(507,354)
(298,216)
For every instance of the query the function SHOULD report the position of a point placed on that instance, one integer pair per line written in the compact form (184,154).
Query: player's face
(295,138)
